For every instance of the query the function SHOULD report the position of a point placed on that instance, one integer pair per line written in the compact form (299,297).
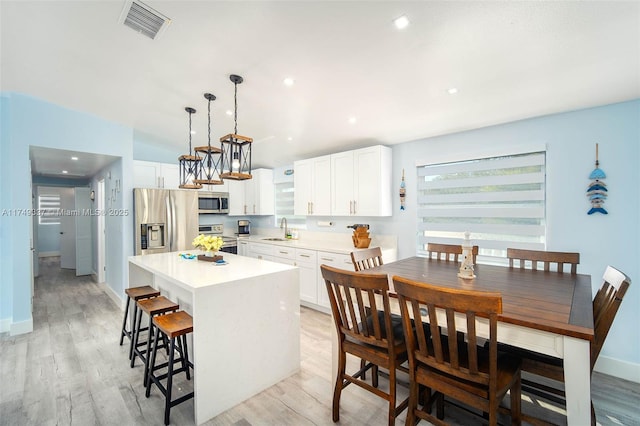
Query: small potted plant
(210,244)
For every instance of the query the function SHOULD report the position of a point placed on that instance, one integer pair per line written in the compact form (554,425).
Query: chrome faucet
(286,229)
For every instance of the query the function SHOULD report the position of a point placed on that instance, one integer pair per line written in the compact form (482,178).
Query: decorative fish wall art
(597,190)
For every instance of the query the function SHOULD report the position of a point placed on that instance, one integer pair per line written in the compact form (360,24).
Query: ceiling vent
(144,19)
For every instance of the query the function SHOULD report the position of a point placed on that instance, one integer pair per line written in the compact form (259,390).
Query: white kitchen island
(246,322)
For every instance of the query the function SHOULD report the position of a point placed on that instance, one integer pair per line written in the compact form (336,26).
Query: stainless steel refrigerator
(165,219)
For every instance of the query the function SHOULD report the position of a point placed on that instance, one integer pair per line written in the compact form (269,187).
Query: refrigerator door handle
(169,222)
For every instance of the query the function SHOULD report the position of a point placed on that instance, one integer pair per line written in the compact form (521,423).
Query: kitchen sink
(275,239)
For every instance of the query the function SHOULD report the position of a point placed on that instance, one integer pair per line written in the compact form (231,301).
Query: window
(49,209)
(284,206)
(499,200)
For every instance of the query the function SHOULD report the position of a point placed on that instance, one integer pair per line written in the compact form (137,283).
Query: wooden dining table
(546,312)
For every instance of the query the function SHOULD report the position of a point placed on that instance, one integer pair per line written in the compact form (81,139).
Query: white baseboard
(618,368)
(5,325)
(113,296)
(48,253)
(21,327)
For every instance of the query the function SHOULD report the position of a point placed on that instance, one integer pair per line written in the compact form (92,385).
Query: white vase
(209,253)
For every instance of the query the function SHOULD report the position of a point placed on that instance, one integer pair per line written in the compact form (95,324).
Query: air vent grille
(144,19)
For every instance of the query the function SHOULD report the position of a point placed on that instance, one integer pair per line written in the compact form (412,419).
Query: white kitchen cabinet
(253,196)
(149,174)
(243,248)
(260,251)
(306,260)
(312,183)
(361,182)
(336,260)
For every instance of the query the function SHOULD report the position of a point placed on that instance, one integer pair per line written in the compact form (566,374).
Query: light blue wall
(570,140)
(59,128)
(150,148)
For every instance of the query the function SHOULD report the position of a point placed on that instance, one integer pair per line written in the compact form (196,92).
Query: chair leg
(124,322)
(185,356)
(516,398)
(363,364)
(135,336)
(150,338)
(133,328)
(152,364)
(374,376)
(392,395)
(414,391)
(337,391)
(167,402)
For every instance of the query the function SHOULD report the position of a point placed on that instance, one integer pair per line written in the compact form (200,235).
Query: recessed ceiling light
(193,132)
(452,91)
(64,172)
(288,81)
(352,120)
(289,138)
(401,22)
(229,112)
(74,158)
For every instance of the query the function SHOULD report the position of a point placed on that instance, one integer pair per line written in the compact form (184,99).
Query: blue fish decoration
(597,190)
(597,210)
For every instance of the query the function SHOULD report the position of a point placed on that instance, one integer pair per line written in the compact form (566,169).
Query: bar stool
(153,307)
(174,326)
(135,293)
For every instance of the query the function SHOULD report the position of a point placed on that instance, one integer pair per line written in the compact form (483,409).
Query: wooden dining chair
(547,258)
(448,252)
(367,258)
(374,338)
(467,372)
(605,307)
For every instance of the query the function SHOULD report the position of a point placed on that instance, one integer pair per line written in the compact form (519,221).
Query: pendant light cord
(190,133)
(235,116)
(209,125)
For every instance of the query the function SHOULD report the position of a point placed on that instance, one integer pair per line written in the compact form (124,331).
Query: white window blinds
(49,209)
(499,200)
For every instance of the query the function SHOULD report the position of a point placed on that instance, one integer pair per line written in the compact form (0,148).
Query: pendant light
(211,156)
(189,164)
(236,149)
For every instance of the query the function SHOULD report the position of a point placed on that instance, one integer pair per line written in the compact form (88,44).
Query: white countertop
(192,273)
(341,244)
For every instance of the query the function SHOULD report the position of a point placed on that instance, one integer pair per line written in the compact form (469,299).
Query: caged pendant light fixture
(211,156)
(189,164)
(236,149)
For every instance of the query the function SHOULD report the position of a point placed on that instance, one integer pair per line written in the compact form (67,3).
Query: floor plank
(70,370)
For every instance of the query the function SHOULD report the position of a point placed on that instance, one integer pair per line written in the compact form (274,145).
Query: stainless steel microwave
(213,202)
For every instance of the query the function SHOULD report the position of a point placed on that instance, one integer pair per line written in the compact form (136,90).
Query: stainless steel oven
(213,202)
(230,244)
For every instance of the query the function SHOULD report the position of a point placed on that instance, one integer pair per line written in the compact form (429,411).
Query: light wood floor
(71,370)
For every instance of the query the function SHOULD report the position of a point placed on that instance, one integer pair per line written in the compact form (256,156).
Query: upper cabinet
(351,183)
(148,174)
(312,183)
(254,196)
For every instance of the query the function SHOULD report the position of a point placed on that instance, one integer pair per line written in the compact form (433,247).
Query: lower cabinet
(313,291)
(306,261)
(336,260)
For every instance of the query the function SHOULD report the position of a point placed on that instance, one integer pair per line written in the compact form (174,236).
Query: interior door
(67,230)
(84,243)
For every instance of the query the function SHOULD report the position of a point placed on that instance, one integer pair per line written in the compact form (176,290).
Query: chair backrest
(352,296)
(448,252)
(605,307)
(366,259)
(546,257)
(416,298)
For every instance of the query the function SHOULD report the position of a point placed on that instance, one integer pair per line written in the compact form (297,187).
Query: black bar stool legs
(175,327)
(135,293)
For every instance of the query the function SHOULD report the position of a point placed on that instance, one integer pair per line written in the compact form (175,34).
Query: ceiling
(507,60)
